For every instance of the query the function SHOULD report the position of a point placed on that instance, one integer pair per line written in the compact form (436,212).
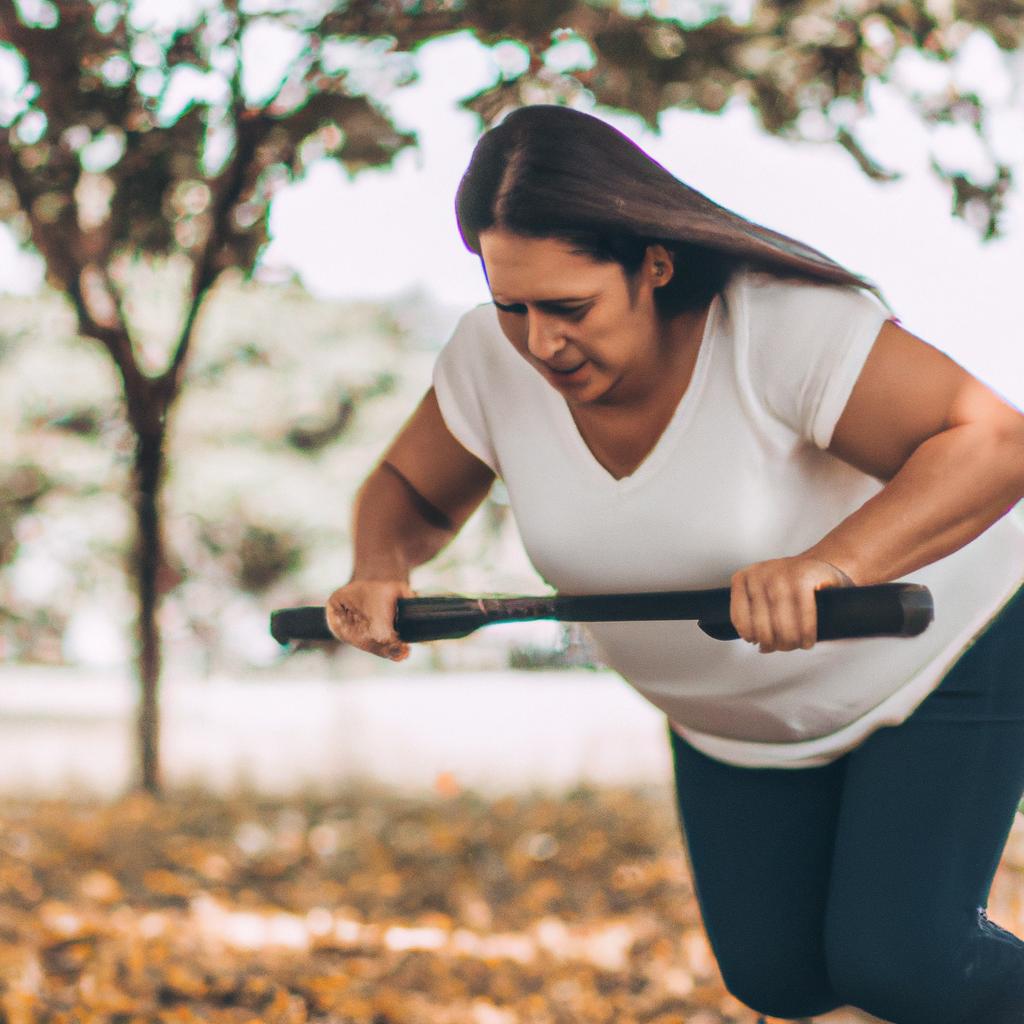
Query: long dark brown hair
(554,172)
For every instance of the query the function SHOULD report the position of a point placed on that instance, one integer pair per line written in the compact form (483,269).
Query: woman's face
(590,330)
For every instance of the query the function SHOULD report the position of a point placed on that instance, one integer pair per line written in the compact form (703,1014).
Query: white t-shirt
(740,475)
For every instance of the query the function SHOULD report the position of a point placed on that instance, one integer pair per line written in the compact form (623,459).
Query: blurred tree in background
(288,399)
(99,171)
(132,146)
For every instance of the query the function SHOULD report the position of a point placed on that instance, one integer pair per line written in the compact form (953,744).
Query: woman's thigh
(926,810)
(925,816)
(760,845)
(793,868)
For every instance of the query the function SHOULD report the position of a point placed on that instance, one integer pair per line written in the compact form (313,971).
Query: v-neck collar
(662,447)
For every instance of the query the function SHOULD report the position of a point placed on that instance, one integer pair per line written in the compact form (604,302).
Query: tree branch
(865,162)
(249,132)
(62,268)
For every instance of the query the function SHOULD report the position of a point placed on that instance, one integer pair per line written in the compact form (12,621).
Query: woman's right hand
(362,614)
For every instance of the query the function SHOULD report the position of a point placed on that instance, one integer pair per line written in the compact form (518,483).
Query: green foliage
(108,161)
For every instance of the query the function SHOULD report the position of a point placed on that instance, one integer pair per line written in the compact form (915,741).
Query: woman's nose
(544,338)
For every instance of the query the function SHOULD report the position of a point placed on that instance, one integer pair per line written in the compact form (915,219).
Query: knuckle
(337,622)
(383,637)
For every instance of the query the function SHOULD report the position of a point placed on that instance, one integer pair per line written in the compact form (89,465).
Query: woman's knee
(926,975)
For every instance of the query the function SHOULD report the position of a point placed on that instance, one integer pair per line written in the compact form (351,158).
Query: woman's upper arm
(907,392)
(437,466)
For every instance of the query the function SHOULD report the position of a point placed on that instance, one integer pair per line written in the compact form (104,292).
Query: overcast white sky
(388,232)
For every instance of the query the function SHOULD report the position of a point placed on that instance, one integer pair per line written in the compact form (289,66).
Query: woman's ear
(659,265)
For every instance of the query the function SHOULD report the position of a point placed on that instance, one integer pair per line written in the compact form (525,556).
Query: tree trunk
(147,562)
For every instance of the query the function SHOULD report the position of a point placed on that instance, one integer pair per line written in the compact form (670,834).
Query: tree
(130,142)
(268,445)
(98,171)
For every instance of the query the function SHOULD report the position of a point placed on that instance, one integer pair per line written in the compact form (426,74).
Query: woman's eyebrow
(573,300)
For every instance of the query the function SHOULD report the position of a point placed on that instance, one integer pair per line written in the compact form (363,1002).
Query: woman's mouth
(566,371)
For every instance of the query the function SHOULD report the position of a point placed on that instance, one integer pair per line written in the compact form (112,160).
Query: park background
(313,802)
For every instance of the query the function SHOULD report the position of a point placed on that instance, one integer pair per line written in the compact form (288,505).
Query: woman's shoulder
(761,291)
(803,344)
(480,319)
(477,346)
(772,300)
(476,330)
(768,281)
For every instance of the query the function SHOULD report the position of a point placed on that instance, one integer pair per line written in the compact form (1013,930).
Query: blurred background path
(64,733)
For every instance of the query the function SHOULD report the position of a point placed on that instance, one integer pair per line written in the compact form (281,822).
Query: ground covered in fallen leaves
(371,908)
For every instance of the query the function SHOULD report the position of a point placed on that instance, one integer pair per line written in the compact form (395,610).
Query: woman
(678,398)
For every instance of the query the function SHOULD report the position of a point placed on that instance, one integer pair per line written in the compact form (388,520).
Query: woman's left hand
(772,603)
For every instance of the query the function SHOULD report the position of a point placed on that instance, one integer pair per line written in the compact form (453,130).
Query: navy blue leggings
(864,882)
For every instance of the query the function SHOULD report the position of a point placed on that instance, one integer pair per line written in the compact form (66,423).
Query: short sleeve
(463,374)
(807,346)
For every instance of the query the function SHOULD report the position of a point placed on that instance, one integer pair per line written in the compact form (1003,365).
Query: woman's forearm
(952,488)
(394,528)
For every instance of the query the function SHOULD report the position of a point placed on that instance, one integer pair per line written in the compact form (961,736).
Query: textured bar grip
(887,609)
(308,623)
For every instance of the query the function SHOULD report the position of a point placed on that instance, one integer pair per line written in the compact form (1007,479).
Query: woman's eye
(568,312)
(571,314)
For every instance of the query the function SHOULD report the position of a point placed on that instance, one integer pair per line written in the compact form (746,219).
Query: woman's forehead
(539,268)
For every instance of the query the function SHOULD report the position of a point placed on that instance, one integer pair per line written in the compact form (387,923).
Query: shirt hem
(822,750)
